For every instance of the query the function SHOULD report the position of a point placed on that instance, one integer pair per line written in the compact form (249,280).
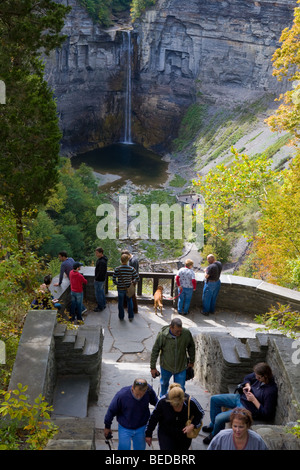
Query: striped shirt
(123,276)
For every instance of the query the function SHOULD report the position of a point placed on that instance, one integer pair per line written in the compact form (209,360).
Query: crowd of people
(126,277)
(176,414)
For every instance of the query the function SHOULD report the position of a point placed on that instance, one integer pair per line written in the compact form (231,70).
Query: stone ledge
(277,437)
(34,365)
(73,434)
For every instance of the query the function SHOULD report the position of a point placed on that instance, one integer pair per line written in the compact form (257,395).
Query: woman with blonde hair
(171,415)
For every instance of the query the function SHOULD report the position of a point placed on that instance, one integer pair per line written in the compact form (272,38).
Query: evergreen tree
(29,132)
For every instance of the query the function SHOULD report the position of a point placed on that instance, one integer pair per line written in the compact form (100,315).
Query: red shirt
(77,280)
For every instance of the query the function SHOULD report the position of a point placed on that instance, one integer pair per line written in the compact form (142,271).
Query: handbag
(194,432)
(130,291)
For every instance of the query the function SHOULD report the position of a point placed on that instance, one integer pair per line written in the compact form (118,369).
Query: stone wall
(237,293)
(280,358)
(47,350)
(222,362)
(35,364)
(248,295)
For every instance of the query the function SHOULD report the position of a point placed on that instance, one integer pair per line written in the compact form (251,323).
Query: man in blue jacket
(131,407)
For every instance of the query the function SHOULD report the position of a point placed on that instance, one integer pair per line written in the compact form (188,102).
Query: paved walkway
(126,356)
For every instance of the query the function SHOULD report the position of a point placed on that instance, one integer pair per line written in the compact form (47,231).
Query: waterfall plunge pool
(115,164)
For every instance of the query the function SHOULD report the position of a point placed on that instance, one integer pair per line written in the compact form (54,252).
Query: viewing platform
(80,370)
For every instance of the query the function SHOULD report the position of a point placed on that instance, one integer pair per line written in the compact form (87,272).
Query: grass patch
(177,182)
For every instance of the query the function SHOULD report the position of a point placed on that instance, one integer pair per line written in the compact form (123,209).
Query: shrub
(28,425)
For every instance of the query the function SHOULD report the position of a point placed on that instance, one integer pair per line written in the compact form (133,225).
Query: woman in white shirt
(240,436)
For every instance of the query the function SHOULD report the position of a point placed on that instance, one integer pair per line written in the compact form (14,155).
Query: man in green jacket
(176,348)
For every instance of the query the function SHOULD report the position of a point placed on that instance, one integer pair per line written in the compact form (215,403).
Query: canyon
(215,52)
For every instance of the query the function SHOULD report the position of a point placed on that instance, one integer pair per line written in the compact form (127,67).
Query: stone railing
(238,294)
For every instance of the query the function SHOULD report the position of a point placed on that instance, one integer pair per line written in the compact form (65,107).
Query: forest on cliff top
(103,11)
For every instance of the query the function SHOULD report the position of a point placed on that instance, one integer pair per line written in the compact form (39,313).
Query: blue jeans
(76,305)
(218,417)
(99,293)
(137,436)
(184,299)
(209,296)
(165,376)
(121,296)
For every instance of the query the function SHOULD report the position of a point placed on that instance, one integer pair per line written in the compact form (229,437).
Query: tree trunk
(20,233)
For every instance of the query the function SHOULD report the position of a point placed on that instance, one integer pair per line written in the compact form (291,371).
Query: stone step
(254,348)
(229,352)
(73,434)
(71,395)
(242,351)
(263,340)
(92,338)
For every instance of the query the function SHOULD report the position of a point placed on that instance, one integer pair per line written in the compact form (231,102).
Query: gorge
(217,52)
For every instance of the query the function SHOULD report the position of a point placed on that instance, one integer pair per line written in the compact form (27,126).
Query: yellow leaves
(33,419)
(278,238)
(286,62)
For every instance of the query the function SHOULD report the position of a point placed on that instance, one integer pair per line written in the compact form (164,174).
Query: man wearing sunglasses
(131,408)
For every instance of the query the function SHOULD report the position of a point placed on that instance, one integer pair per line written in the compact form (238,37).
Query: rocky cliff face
(182,48)
(219,49)
(88,78)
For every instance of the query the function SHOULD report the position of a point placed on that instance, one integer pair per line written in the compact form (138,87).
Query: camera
(239,388)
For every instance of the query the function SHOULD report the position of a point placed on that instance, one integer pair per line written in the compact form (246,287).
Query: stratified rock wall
(222,49)
(181,49)
(88,78)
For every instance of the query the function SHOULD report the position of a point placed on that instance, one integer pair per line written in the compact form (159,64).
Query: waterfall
(127,127)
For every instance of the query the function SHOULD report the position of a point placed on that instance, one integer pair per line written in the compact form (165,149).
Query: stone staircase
(228,359)
(244,351)
(78,354)
(239,357)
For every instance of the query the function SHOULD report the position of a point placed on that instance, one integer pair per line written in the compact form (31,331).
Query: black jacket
(101,269)
(170,422)
(266,394)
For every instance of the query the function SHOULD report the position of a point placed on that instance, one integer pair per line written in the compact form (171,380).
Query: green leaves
(30,421)
(227,188)
(29,131)
(281,318)
(287,64)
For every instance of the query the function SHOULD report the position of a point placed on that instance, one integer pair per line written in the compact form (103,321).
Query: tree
(277,243)
(29,153)
(138,6)
(26,28)
(276,247)
(226,188)
(286,63)
(29,131)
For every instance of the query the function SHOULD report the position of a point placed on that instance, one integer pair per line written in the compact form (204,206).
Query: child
(44,299)
(76,282)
